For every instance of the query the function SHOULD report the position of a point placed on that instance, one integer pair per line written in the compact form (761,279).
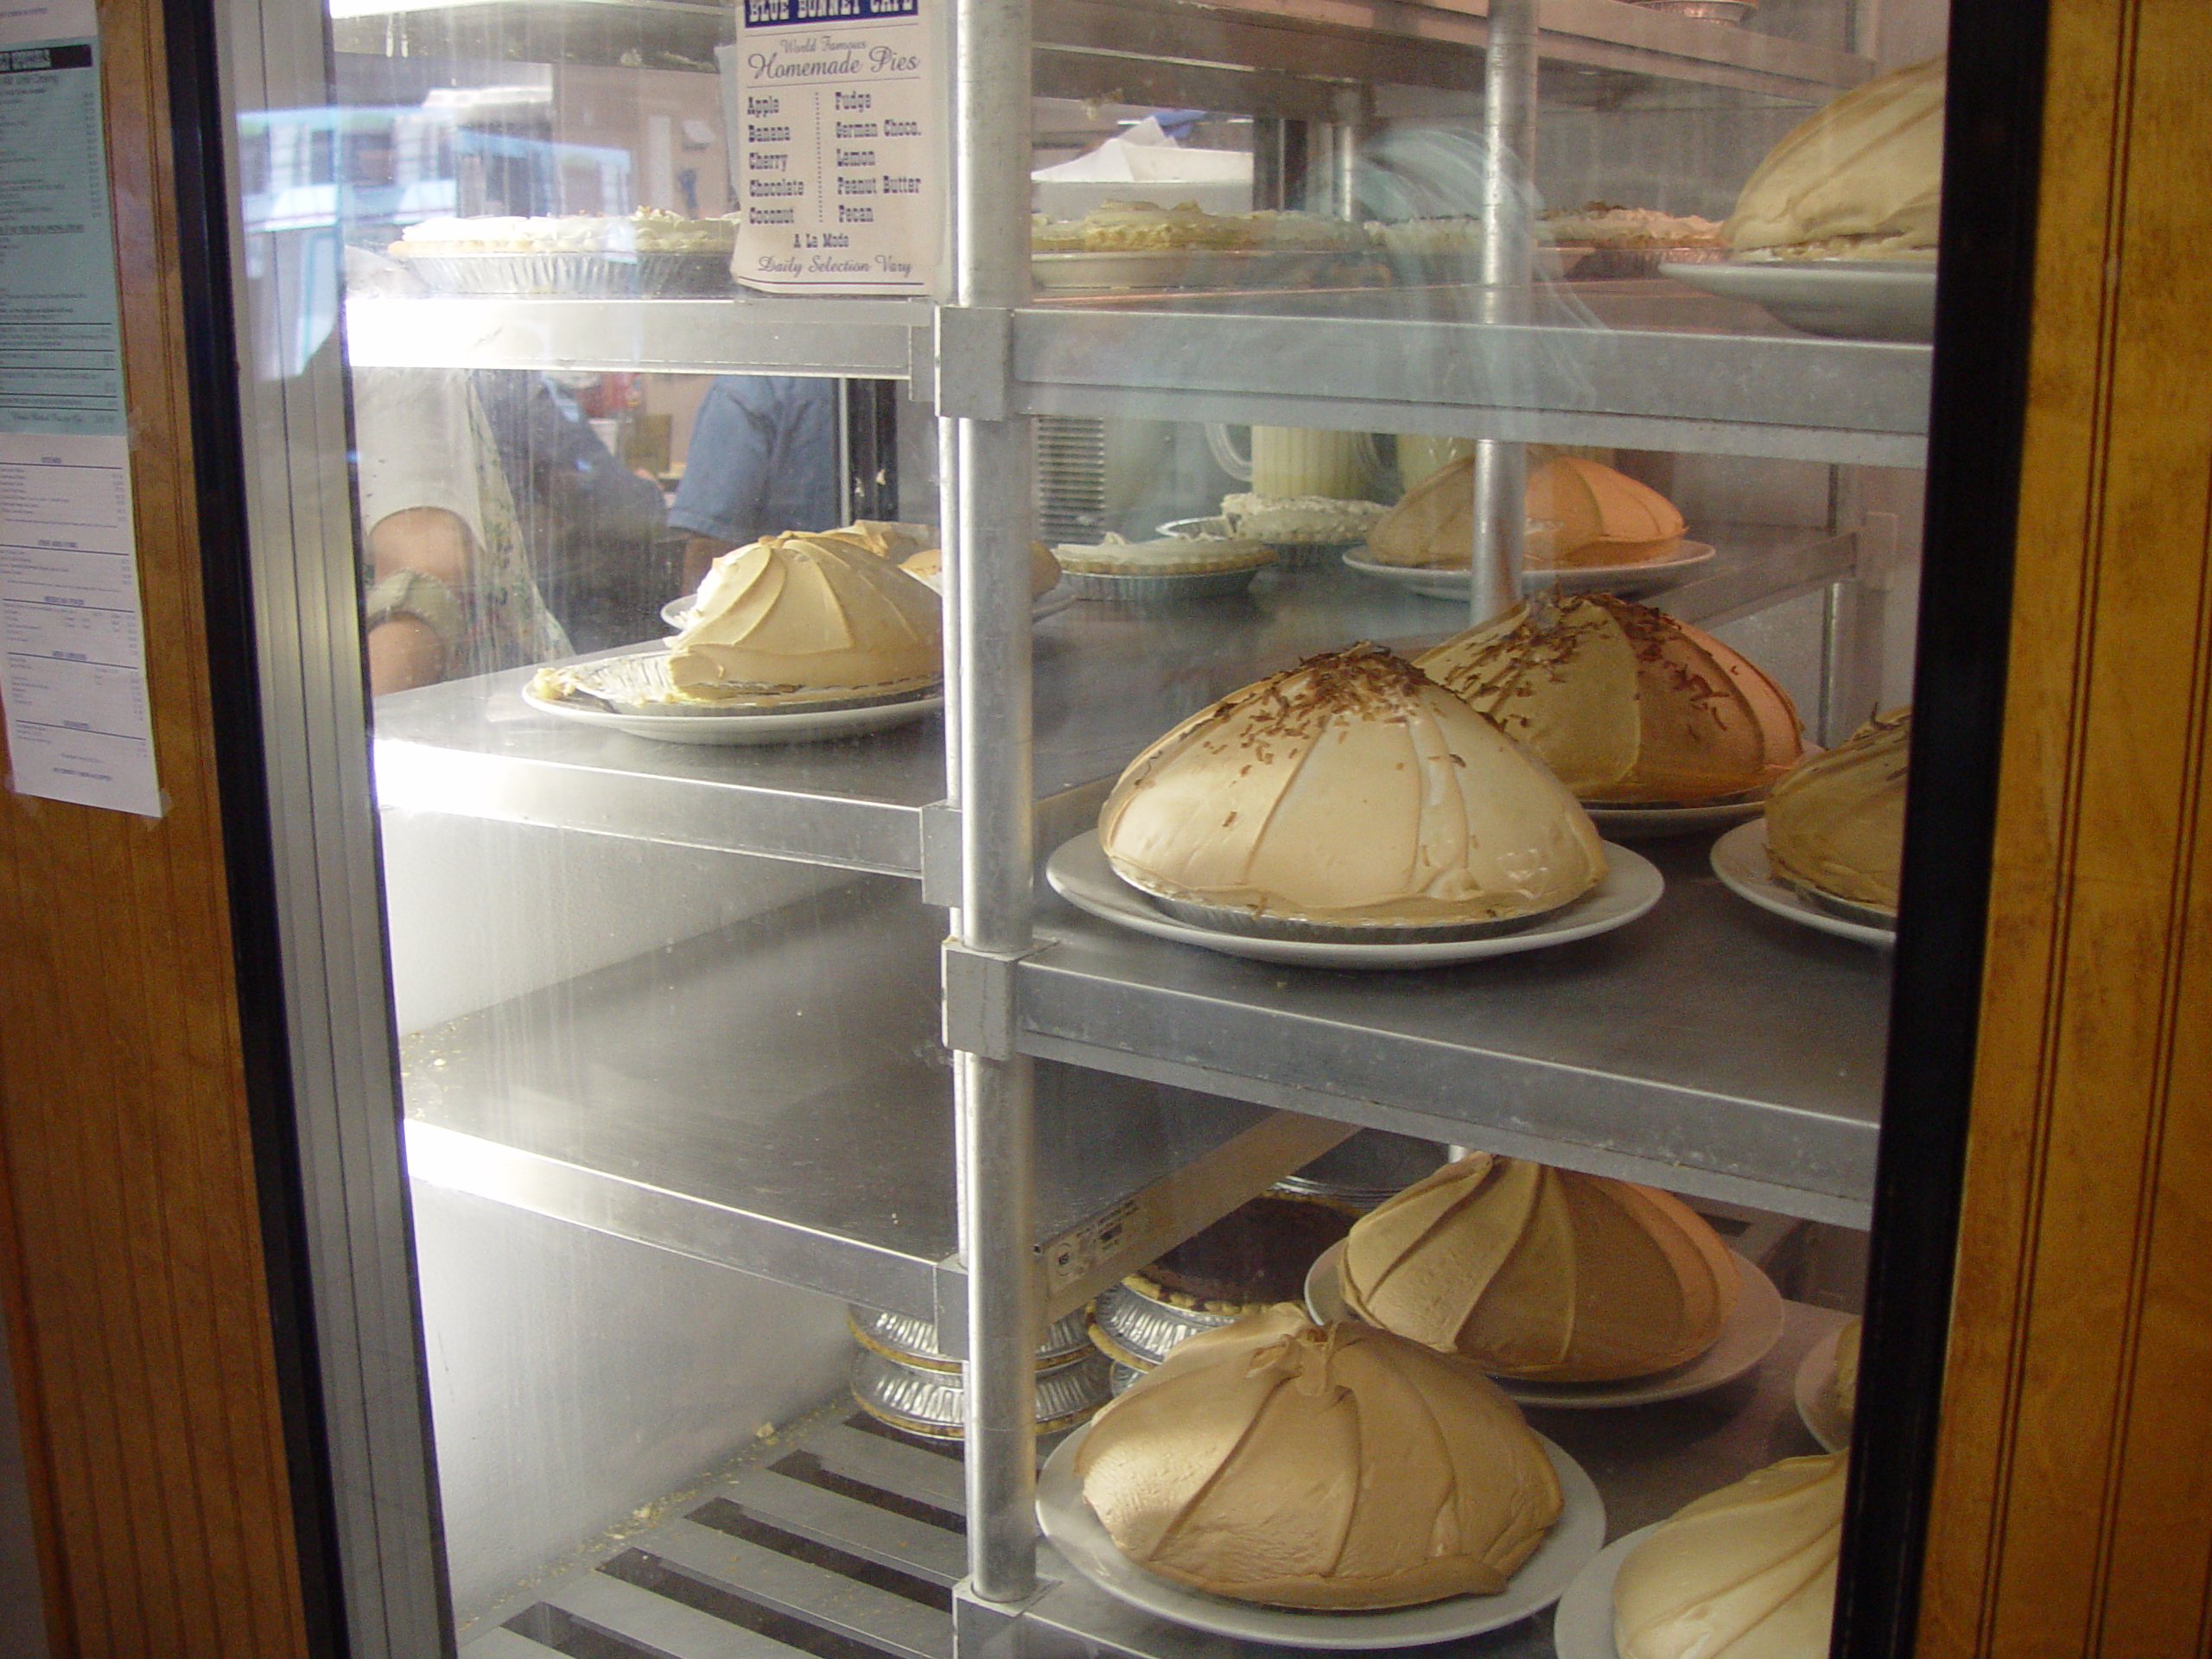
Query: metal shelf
(475,748)
(1109,680)
(1647,364)
(1709,1048)
(725,1566)
(1255,55)
(771,1097)
(738,333)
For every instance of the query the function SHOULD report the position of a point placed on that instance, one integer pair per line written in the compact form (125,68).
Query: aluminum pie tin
(518,273)
(913,1341)
(704,274)
(637,683)
(1096,270)
(593,275)
(928,1402)
(1140,1330)
(1709,11)
(1740,798)
(1121,1377)
(1295,554)
(1366,1170)
(1256,924)
(1298,556)
(1170,589)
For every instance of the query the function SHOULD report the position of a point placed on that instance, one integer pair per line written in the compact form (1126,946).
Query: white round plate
(634,671)
(1455,585)
(1824,1420)
(1583,1626)
(1571,1544)
(1078,872)
(1739,860)
(1748,1337)
(677,613)
(1844,299)
(1651,822)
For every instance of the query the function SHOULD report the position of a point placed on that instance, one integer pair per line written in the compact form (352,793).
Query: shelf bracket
(979,1001)
(974,362)
(941,854)
(992,1629)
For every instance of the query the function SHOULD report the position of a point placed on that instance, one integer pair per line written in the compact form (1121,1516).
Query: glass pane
(1573,418)
(1600,395)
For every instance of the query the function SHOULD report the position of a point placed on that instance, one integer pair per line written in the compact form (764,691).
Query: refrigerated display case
(684,1059)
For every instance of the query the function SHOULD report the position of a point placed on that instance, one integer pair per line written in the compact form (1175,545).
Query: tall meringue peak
(1540,1272)
(1624,703)
(807,610)
(1860,176)
(1836,823)
(1351,789)
(1745,1572)
(1276,1461)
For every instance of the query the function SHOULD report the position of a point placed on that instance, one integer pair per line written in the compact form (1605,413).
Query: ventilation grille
(1070,478)
(846,1546)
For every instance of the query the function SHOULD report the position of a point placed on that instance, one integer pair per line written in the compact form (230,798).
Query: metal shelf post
(990,767)
(1501,471)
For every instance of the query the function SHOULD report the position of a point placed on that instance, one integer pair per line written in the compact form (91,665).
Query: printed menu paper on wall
(831,109)
(73,653)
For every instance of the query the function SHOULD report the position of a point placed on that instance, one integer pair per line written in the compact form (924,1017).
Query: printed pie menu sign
(834,146)
(73,636)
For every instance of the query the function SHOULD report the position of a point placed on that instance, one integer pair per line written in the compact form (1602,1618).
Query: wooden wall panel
(130,1256)
(2071,1515)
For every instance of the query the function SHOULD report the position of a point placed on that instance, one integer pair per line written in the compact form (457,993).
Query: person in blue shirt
(763,459)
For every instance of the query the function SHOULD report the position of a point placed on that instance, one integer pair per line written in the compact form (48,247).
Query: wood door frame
(154,1386)
(2069,1513)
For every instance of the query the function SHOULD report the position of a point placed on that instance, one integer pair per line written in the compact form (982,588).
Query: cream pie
(1626,704)
(1835,823)
(1350,791)
(1541,1274)
(805,610)
(1860,178)
(1330,1467)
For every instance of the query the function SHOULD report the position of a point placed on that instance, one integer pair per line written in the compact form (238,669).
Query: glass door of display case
(964,691)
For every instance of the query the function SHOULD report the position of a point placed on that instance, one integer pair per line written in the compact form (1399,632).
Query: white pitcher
(1298,460)
(1421,454)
